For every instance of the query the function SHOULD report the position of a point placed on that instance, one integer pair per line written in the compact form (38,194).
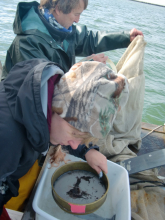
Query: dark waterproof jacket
(24,132)
(36,38)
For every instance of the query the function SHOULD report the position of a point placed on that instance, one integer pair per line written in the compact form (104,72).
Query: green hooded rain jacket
(36,38)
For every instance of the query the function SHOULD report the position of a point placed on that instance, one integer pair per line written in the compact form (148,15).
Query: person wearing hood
(41,106)
(46,30)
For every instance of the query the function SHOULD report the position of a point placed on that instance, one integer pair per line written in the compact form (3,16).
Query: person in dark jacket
(47,31)
(25,118)
(28,125)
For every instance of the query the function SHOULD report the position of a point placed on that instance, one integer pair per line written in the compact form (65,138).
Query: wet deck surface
(153,142)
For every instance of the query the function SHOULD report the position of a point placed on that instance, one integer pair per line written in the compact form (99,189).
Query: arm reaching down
(97,160)
(92,155)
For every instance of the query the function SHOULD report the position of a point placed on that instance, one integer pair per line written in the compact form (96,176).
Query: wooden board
(150,127)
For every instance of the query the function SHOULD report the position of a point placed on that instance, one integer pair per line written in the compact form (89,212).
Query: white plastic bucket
(117,203)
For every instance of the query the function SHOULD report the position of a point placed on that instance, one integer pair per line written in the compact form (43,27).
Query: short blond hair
(57,154)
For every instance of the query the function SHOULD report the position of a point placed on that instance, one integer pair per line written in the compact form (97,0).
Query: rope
(153,130)
(112,65)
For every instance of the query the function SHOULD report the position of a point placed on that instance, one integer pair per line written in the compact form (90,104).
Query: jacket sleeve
(23,48)
(81,150)
(27,47)
(88,42)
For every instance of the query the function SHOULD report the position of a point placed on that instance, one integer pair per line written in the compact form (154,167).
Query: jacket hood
(22,10)
(28,20)
(22,87)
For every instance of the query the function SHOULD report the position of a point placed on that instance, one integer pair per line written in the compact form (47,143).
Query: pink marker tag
(77,208)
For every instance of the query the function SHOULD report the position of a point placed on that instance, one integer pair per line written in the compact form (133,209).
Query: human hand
(97,160)
(100,57)
(133,33)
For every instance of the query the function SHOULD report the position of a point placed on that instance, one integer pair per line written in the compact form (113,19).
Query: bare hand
(99,57)
(97,160)
(133,33)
